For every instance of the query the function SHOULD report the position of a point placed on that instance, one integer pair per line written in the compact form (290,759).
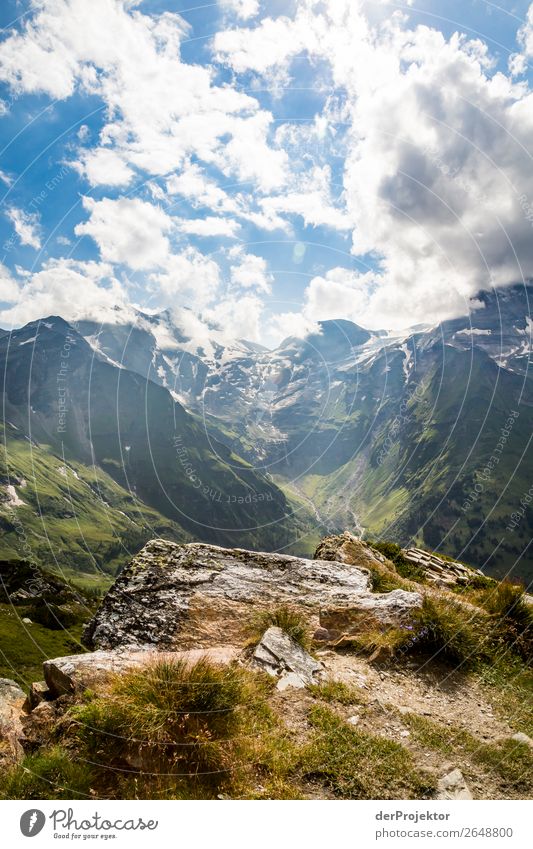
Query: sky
(256,166)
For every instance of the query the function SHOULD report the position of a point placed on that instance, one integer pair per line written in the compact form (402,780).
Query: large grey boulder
(77,672)
(278,654)
(183,596)
(12,699)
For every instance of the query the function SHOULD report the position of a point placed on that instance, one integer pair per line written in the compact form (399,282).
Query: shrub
(449,631)
(356,765)
(172,717)
(51,774)
(289,619)
(512,617)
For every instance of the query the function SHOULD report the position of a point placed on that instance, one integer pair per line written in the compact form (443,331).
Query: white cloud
(26,226)
(128,231)
(73,290)
(190,277)
(437,170)
(525,34)
(160,109)
(242,8)
(340,293)
(249,271)
(9,287)
(209,226)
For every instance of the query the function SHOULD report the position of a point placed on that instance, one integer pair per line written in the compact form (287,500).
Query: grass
(353,764)
(404,568)
(337,692)
(513,617)
(290,620)
(449,631)
(507,760)
(52,774)
(23,648)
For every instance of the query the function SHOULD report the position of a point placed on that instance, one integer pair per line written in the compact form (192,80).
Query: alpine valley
(120,431)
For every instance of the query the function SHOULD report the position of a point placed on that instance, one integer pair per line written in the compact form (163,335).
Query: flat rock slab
(181,596)
(77,672)
(279,654)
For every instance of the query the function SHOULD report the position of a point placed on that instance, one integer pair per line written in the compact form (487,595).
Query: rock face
(347,548)
(368,611)
(453,786)
(74,673)
(184,596)
(12,699)
(444,573)
(279,654)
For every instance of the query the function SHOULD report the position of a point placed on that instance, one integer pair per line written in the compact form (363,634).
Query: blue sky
(263,164)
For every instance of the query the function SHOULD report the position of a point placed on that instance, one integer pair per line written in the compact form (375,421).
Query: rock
(182,596)
(441,572)
(277,653)
(38,725)
(27,621)
(353,720)
(367,611)
(291,679)
(39,692)
(347,548)
(453,786)
(520,737)
(11,703)
(77,672)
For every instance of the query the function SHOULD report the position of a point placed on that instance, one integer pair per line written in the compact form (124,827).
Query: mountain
(85,437)
(387,433)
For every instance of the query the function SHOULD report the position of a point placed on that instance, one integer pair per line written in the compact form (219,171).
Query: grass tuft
(289,619)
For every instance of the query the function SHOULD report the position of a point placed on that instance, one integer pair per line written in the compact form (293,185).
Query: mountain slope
(82,409)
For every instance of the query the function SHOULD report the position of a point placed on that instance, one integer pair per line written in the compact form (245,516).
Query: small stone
(405,733)
(520,737)
(27,621)
(353,720)
(290,679)
(453,786)
(277,653)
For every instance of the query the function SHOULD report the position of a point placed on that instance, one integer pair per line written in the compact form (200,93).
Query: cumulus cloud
(160,108)
(128,231)
(437,172)
(241,8)
(209,226)
(249,271)
(73,290)
(26,226)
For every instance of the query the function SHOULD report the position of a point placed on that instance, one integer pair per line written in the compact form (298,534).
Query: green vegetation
(356,765)
(337,692)
(289,619)
(23,648)
(49,774)
(170,731)
(393,552)
(509,760)
(448,631)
